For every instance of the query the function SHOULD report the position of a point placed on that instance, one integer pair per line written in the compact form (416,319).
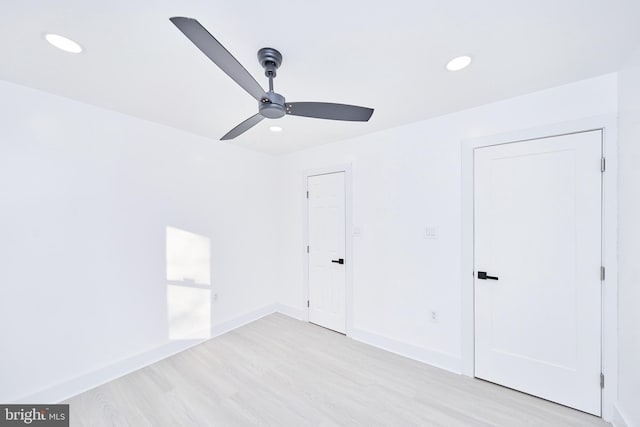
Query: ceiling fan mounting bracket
(270,59)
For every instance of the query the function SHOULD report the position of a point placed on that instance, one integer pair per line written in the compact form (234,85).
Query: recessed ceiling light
(63,43)
(459,63)
(275,129)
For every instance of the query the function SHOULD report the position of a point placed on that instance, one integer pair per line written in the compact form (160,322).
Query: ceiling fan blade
(243,127)
(328,110)
(218,54)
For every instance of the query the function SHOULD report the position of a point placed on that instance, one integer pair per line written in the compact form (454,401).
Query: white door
(538,231)
(327,274)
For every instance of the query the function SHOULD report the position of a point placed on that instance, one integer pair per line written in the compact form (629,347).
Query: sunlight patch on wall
(188,257)
(189,312)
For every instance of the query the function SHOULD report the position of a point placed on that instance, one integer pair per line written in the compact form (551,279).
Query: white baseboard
(293,312)
(242,320)
(82,383)
(619,418)
(431,357)
(434,358)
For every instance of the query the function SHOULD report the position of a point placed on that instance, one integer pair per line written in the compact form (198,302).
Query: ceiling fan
(271,105)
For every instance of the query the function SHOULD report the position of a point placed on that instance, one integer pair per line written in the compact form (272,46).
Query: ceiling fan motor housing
(272,106)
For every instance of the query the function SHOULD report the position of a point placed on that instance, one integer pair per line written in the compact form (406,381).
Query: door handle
(338,261)
(483,275)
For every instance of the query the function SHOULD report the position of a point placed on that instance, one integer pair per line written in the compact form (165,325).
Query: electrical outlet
(215,297)
(433,315)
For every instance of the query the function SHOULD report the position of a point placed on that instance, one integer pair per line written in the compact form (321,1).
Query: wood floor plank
(278,371)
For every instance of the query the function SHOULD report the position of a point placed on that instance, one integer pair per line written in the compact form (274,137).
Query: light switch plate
(431,233)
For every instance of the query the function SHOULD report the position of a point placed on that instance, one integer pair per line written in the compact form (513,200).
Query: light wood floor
(282,372)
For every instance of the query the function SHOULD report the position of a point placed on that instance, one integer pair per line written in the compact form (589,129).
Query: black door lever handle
(338,261)
(483,275)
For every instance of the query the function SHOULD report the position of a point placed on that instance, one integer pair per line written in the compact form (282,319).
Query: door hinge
(307,303)
(603,164)
(602,273)
(307,194)
(601,380)
(307,248)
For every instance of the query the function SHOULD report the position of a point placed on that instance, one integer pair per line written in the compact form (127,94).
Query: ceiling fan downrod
(271,106)
(270,59)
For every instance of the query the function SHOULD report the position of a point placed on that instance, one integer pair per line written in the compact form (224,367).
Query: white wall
(86,195)
(629,243)
(406,179)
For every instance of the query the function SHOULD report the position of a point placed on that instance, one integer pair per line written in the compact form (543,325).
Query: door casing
(608,126)
(348,207)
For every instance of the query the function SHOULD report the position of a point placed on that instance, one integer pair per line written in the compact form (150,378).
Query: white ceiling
(390,56)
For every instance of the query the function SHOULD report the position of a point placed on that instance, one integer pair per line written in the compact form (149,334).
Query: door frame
(609,321)
(348,243)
